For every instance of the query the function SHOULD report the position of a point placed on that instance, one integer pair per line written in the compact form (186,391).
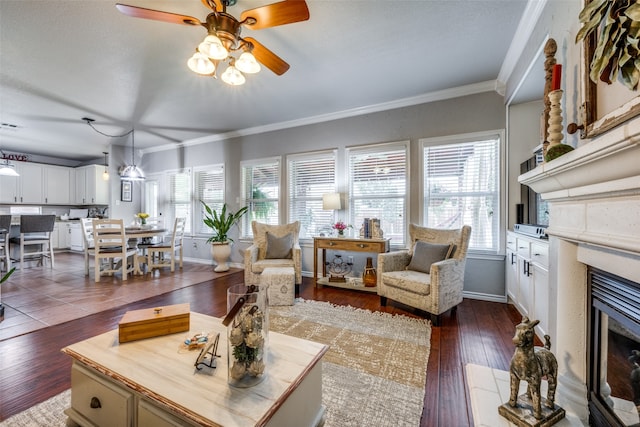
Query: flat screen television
(533,210)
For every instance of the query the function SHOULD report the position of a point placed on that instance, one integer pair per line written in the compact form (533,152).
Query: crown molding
(523,33)
(456,92)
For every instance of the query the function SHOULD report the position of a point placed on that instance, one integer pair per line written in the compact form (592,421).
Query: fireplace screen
(614,377)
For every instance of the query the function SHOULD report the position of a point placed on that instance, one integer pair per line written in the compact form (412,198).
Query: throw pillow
(425,254)
(279,247)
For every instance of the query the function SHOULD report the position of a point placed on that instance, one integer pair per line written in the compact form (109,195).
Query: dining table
(142,234)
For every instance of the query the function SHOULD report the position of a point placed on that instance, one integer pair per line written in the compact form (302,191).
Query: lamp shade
(247,63)
(331,201)
(200,63)
(232,76)
(213,48)
(7,169)
(132,173)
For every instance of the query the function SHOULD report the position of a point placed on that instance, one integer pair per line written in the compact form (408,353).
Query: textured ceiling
(64,60)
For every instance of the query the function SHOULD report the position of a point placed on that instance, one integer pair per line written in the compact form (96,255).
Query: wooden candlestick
(555,118)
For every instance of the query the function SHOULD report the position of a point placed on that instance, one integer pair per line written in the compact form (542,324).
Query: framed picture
(125,191)
(601,113)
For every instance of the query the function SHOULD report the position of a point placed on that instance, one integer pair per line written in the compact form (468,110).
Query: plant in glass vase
(142,216)
(341,226)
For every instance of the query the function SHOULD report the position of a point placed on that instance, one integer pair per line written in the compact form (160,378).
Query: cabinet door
(8,189)
(100,187)
(524,285)
(55,236)
(511,276)
(57,185)
(81,185)
(31,183)
(540,285)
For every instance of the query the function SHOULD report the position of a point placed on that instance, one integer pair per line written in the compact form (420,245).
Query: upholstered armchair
(430,275)
(273,246)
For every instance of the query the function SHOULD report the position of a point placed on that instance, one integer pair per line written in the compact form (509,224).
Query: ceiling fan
(224,35)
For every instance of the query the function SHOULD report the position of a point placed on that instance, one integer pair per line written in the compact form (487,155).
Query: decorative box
(154,322)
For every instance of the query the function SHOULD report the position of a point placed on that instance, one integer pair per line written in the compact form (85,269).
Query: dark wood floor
(32,368)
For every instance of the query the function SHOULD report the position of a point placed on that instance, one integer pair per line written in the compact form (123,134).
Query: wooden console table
(343,244)
(152,382)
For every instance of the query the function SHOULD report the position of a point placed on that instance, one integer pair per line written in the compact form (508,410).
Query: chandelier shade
(200,63)
(233,77)
(132,172)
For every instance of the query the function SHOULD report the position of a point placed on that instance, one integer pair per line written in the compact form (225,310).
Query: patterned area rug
(373,375)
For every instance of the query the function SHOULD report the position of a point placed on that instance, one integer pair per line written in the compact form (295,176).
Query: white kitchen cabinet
(57,185)
(90,188)
(26,188)
(527,278)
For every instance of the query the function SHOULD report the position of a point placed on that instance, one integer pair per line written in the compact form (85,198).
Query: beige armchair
(284,241)
(433,289)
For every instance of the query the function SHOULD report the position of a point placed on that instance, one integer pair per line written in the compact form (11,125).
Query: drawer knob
(331,243)
(362,245)
(95,403)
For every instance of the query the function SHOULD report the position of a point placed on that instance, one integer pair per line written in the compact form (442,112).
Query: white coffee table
(151,383)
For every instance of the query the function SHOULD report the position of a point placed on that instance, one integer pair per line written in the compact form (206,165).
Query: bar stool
(35,230)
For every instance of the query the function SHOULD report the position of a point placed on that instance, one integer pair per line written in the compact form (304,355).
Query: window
(309,177)
(461,182)
(179,197)
(209,188)
(260,192)
(378,187)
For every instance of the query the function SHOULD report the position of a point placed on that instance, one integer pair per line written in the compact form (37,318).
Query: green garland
(617,51)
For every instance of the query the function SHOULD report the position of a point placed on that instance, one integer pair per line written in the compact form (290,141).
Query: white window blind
(378,188)
(209,185)
(309,177)
(179,186)
(260,191)
(461,186)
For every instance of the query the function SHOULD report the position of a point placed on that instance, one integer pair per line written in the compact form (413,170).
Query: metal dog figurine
(532,364)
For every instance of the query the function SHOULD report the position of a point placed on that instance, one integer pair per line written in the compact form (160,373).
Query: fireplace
(614,357)
(594,231)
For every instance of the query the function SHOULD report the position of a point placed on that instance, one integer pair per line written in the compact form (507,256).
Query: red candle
(556,76)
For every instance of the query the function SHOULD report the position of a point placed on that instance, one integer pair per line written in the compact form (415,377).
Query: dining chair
(110,243)
(5,224)
(35,230)
(164,254)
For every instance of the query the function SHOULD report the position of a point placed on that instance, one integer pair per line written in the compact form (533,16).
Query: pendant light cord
(90,123)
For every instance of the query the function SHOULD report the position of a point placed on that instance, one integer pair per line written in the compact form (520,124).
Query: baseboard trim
(484,297)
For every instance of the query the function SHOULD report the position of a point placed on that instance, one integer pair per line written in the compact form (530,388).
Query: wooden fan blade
(268,58)
(272,15)
(157,15)
(214,5)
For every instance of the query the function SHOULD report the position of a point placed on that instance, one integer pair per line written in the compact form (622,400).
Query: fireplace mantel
(594,220)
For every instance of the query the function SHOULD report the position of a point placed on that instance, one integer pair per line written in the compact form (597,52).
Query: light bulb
(105,175)
(247,63)
(213,48)
(232,76)
(199,63)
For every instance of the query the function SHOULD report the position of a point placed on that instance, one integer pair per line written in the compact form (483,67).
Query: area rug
(373,375)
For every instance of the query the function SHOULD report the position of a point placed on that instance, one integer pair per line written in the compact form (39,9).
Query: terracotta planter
(221,253)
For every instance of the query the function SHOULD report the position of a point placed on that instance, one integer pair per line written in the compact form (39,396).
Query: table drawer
(540,254)
(350,245)
(112,405)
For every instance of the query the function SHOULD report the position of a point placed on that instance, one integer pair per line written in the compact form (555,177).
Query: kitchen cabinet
(90,188)
(61,235)
(527,278)
(26,188)
(57,185)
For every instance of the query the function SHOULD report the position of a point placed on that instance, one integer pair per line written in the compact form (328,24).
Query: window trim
(301,156)
(471,137)
(248,234)
(376,148)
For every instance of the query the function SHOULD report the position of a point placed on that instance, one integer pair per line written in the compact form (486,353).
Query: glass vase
(247,335)
(369,276)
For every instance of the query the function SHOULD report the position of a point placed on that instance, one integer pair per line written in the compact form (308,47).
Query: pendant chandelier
(132,172)
(129,172)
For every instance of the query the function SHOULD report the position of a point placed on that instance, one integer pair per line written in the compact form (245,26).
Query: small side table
(343,244)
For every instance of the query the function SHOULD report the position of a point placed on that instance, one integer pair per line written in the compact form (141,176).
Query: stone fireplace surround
(594,198)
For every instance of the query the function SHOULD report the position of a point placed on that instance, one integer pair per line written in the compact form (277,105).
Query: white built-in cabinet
(91,189)
(527,278)
(57,185)
(61,235)
(26,188)
(40,184)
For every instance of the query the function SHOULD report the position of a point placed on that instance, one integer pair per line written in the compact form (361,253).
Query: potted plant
(4,279)
(221,224)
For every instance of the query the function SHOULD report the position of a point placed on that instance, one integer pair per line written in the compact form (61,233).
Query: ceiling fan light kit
(223,36)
